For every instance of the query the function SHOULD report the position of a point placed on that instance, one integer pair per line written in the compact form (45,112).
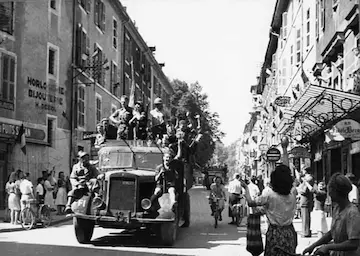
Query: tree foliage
(192,99)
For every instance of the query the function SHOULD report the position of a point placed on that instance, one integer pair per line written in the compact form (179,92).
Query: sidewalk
(7,227)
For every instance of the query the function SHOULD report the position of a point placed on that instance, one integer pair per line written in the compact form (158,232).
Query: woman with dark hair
(279,202)
(345,226)
(13,188)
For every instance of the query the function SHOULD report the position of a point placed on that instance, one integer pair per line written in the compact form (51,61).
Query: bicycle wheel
(216,217)
(28,219)
(45,216)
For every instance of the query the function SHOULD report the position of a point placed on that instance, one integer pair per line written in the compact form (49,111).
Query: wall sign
(299,152)
(11,130)
(44,97)
(282,101)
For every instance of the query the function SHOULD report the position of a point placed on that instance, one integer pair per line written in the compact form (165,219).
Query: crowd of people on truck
(178,138)
(48,190)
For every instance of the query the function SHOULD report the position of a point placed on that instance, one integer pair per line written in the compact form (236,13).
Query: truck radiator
(122,195)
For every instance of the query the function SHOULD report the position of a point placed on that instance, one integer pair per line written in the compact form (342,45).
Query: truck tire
(187,211)
(84,229)
(168,232)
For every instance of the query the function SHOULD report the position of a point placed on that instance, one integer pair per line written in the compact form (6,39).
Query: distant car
(126,188)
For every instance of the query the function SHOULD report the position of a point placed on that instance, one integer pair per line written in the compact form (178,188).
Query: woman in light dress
(49,192)
(61,195)
(14,196)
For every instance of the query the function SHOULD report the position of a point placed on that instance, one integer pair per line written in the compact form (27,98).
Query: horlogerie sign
(346,129)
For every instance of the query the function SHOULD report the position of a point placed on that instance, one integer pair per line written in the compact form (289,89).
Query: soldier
(158,119)
(82,176)
(121,118)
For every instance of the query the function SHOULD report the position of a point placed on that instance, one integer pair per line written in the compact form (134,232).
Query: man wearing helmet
(158,119)
(121,118)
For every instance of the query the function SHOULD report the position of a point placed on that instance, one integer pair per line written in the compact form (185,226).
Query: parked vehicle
(126,188)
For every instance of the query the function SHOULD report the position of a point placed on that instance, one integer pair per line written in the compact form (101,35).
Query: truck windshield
(144,160)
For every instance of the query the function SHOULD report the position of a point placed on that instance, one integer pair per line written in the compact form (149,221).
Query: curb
(55,222)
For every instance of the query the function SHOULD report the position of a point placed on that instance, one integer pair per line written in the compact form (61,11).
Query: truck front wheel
(84,229)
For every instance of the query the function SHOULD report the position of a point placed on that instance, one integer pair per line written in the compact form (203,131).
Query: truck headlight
(146,204)
(98,203)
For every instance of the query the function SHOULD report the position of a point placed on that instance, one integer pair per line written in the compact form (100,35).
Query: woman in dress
(318,222)
(61,196)
(14,196)
(217,190)
(345,226)
(279,201)
(49,192)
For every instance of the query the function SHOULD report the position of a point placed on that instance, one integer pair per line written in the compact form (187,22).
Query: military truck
(127,185)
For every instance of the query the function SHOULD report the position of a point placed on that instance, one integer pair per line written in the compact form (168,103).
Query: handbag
(254,243)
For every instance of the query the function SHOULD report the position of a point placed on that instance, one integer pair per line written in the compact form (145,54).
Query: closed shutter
(96,12)
(102,16)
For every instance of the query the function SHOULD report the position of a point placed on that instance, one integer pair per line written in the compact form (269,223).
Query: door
(335,160)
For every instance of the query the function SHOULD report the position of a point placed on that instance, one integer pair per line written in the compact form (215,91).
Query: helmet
(158,101)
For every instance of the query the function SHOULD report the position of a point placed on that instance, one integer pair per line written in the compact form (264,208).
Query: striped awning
(319,107)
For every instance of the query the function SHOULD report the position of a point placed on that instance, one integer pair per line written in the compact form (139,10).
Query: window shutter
(88,6)
(78,45)
(317,19)
(12,79)
(96,12)
(102,69)
(87,45)
(284,24)
(103,16)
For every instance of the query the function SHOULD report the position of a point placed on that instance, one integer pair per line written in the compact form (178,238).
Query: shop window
(7,17)
(81,106)
(99,15)
(7,78)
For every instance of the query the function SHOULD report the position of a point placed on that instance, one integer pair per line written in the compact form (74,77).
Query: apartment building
(35,88)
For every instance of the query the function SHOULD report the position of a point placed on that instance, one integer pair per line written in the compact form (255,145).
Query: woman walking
(61,196)
(13,188)
(49,193)
(319,224)
(279,202)
(345,227)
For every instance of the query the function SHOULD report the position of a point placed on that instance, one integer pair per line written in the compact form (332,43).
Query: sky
(220,44)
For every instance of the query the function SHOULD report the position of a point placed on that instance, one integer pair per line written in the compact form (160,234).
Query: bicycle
(29,218)
(216,210)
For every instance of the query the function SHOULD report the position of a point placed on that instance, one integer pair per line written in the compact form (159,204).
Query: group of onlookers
(49,191)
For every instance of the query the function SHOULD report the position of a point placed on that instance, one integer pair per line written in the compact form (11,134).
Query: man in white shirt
(235,191)
(254,192)
(26,189)
(354,193)
(158,124)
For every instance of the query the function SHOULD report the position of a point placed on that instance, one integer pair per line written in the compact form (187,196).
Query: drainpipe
(73,84)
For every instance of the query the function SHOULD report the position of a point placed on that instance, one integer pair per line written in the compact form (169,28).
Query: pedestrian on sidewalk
(14,196)
(26,189)
(306,201)
(61,195)
(279,201)
(319,223)
(354,193)
(345,227)
(235,191)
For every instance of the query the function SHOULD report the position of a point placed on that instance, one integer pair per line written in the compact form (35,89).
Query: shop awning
(319,107)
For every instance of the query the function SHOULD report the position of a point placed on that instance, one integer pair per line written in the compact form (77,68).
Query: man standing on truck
(158,122)
(121,118)
(82,176)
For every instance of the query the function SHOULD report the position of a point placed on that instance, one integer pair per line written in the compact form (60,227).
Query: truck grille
(122,194)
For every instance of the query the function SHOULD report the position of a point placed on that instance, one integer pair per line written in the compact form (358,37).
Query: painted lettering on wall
(38,90)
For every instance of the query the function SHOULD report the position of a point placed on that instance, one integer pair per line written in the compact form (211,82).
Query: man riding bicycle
(217,190)
(235,191)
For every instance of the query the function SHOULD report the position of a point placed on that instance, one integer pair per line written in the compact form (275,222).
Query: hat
(81,154)
(158,101)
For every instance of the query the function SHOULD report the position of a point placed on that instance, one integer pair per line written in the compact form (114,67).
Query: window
(298,46)
(53,4)
(51,61)
(7,81)
(284,25)
(322,15)
(127,48)
(115,34)
(81,106)
(82,47)
(317,28)
(113,79)
(98,108)
(99,14)
(7,17)
(85,4)
(51,125)
(308,28)
(99,71)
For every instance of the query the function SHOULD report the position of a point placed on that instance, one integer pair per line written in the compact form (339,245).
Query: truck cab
(127,184)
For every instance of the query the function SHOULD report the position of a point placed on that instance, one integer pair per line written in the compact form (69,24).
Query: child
(40,195)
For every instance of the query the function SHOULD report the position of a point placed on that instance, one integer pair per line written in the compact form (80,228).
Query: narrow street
(201,238)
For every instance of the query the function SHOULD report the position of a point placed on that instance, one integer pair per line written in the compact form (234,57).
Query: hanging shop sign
(282,101)
(345,129)
(273,155)
(299,152)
